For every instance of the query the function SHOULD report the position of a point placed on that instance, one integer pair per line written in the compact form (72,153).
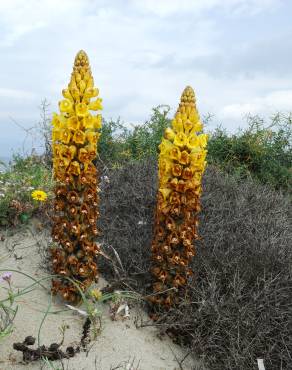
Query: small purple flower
(6,277)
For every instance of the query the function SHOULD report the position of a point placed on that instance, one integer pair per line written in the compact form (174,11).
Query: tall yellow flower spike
(75,136)
(181,166)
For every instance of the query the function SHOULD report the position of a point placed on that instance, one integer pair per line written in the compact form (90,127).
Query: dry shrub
(126,214)
(240,305)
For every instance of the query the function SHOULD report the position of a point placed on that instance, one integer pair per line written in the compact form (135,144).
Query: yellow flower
(203,140)
(78,77)
(169,134)
(95,105)
(165,147)
(90,83)
(91,92)
(75,93)
(81,109)
(193,141)
(180,139)
(73,150)
(92,137)
(165,166)
(62,162)
(187,173)
(56,121)
(198,126)
(82,86)
(67,95)
(65,136)
(194,116)
(165,192)
(176,170)
(74,168)
(73,123)
(175,153)
(97,122)
(57,148)
(66,106)
(91,150)
(177,124)
(39,195)
(88,121)
(79,137)
(96,294)
(184,159)
(188,125)
(56,134)
(68,152)
(83,155)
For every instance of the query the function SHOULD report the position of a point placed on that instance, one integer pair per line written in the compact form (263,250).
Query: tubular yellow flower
(57,121)
(67,95)
(56,134)
(91,93)
(66,106)
(177,124)
(79,137)
(65,136)
(181,165)
(88,121)
(165,146)
(74,143)
(74,168)
(39,195)
(92,137)
(175,153)
(96,105)
(198,126)
(169,134)
(81,109)
(73,123)
(97,122)
(180,139)
(83,155)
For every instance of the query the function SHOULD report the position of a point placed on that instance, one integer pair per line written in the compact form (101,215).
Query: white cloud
(261,105)
(165,8)
(16,94)
(21,17)
(143,53)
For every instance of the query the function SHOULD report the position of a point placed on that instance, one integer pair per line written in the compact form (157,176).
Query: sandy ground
(118,344)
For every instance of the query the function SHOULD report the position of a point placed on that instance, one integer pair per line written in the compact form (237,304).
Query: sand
(118,345)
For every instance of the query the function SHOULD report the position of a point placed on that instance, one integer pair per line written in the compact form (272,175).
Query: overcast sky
(236,54)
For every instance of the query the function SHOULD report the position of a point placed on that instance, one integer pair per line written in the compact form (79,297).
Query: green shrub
(260,151)
(263,153)
(143,141)
(112,142)
(16,185)
(119,144)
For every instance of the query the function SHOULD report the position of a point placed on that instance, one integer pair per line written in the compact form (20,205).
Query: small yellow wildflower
(96,294)
(39,195)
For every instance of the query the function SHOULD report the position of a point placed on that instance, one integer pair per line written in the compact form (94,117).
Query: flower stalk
(75,136)
(181,166)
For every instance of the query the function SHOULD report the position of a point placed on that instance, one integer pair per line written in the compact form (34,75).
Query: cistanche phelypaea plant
(75,136)
(181,166)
